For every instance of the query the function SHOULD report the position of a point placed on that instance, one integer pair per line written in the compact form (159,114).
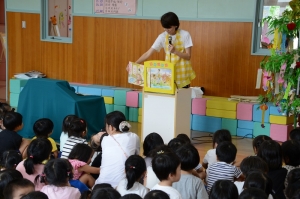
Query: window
(261,38)
(57,20)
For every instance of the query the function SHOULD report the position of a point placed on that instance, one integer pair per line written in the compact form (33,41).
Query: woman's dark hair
(35,195)
(253,163)
(165,164)
(270,152)
(224,189)
(14,185)
(107,193)
(82,152)
(10,159)
(77,126)
(12,120)
(295,134)
(67,122)
(257,141)
(169,19)
(257,179)
(43,127)
(131,196)
(189,157)
(6,176)
(291,152)
(57,172)
(151,141)
(226,152)
(253,193)
(114,119)
(38,150)
(156,194)
(293,181)
(175,143)
(184,137)
(221,135)
(135,167)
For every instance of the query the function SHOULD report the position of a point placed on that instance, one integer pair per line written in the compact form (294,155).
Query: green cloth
(55,99)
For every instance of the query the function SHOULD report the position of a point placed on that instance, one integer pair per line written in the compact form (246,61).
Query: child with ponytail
(57,173)
(135,169)
(38,152)
(76,133)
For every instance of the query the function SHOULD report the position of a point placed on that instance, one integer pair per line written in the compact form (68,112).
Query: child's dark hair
(57,172)
(295,134)
(131,196)
(270,152)
(257,141)
(151,141)
(67,122)
(156,194)
(221,135)
(226,152)
(107,193)
(4,108)
(175,143)
(253,193)
(12,120)
(169,19)
(293,180)
(82,152)
(77,126)
(165,164)
(114,119)
(291,152)
(184,137)
(10,159)
(257,179)
(6,176)
(102,185)
(224,189)
(253,163)
(35,195)
(135,167)
(16,184)
(38,150)
(188,156)
(159,149)
(43,127)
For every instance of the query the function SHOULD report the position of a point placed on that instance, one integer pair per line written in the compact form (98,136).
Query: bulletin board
(122,7)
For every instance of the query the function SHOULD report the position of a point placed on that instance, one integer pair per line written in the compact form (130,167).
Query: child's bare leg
(23,147)
(88,180)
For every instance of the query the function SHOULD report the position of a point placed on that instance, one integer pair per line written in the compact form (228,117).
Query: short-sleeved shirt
(70,143)
(76,164)
(53,143)
(54,192)
(210,157)
(190,187)
(173,193)
(137,188)
(221,171)
(9,140)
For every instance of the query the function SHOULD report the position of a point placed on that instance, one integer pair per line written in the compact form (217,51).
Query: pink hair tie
(132,167)
(31,156)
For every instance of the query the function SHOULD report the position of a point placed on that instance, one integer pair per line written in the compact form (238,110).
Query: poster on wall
(122,7)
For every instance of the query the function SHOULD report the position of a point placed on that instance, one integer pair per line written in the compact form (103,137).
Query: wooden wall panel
(102,47)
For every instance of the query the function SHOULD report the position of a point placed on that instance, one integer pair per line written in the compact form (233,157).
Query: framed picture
(159,77)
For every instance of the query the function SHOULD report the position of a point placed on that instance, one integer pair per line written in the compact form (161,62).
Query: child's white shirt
(173,193)
(137,188)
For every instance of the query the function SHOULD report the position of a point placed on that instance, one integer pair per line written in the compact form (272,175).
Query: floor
(203,142)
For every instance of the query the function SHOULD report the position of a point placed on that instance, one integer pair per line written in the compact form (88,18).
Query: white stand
(167,115)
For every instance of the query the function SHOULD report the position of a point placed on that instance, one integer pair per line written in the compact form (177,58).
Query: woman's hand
(96,138)
(171,48)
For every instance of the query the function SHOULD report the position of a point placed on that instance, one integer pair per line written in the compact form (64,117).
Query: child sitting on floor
(166,166)
(43,128)
(224,168)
